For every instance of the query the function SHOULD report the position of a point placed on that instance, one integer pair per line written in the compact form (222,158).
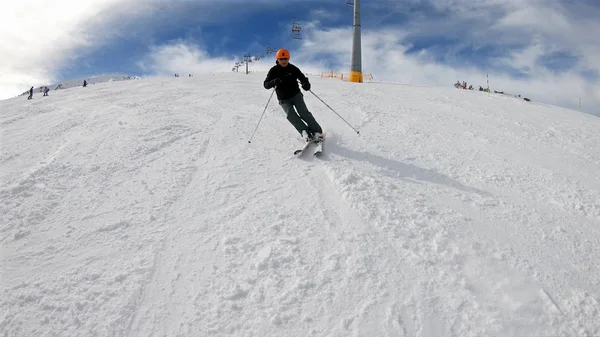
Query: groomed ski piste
(138,208)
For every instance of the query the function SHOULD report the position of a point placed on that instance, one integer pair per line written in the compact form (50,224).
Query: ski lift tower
(356,69)
(247,59)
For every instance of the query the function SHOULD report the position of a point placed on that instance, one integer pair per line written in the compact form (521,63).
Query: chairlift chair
(296,28)
(269,50)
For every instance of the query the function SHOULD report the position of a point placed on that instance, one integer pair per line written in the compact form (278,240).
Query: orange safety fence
(344,77)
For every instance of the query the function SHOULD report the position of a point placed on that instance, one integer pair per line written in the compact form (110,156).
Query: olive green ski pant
(302,119)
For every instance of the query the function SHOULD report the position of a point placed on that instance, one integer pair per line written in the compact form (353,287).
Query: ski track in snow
(138,208)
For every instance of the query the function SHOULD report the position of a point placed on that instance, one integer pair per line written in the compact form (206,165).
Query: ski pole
(357,132)
(261,116)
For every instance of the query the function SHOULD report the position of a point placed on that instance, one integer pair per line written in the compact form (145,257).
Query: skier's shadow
(395,168)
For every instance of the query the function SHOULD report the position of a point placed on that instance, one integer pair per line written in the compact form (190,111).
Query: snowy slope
(138,208)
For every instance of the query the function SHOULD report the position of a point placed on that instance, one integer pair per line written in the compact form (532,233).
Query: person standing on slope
(284,77)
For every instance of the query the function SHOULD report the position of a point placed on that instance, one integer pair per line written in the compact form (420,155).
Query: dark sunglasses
(283,59)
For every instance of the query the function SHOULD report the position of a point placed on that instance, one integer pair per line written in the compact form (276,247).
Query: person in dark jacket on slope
(284,77)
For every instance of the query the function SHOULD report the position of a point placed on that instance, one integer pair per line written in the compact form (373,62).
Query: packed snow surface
(138,208)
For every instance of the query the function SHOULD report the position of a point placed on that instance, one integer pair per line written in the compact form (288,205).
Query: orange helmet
(282,54)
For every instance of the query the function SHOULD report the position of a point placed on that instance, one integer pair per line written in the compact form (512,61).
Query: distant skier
(284,77)
(84,83)
(46,90)
(30,93)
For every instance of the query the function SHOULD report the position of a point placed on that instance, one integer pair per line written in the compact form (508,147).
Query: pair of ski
(318,147)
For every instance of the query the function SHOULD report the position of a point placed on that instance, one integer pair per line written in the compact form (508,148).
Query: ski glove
(276,82)
(306,86)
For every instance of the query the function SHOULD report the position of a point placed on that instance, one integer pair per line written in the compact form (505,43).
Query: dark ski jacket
(289,76)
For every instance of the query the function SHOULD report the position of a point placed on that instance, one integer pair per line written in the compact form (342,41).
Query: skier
(84,83)
(284,77)
(30,93)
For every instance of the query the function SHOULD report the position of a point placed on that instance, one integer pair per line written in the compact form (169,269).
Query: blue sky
(547,50)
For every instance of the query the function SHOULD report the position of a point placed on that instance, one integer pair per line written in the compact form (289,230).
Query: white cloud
(553,29)
(39,36)
(183,58)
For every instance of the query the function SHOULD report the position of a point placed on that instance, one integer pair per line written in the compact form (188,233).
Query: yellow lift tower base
(356,76)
